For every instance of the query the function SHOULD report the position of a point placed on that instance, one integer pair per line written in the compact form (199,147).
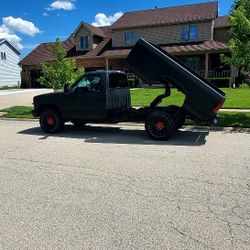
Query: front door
(87,100)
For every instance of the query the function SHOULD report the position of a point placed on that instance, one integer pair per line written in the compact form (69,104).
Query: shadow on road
(121,135)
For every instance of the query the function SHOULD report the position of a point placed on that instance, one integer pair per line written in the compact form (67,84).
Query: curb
(130,124)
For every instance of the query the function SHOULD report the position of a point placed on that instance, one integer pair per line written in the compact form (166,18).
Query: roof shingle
(222,22)
(175,48)
(169,15)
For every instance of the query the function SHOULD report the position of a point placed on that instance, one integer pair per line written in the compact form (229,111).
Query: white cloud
(20,25)
(45,14)
(62,5)
(12,25)
(102,20)
(12,38)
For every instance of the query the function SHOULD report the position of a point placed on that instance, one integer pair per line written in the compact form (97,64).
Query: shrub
(244,86)
(220,82)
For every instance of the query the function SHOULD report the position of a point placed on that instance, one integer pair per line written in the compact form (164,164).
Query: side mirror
(66,89)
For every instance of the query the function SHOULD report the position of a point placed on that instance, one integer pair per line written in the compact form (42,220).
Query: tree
(239,43)
(61,71)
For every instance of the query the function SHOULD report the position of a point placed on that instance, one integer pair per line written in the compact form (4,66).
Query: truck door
(87,100)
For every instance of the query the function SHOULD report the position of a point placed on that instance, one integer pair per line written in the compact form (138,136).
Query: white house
(9,68)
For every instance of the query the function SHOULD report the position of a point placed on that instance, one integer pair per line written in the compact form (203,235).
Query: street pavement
(19,97)
(110,187)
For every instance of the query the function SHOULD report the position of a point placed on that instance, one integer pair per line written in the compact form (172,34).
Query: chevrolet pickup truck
(104,96)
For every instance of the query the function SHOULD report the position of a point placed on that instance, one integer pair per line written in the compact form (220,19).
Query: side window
(189,32)
(117,80)
(131,37)
(89,83)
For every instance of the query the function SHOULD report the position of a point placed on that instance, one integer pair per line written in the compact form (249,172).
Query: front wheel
(51,121)
(160,125)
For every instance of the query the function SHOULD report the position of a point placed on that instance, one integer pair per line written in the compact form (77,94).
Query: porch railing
(215,73)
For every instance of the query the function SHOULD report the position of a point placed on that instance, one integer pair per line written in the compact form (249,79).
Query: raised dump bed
(154,65)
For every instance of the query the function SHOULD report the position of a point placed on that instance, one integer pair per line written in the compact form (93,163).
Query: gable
(11,46)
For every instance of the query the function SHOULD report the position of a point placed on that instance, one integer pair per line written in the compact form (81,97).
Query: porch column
(233,75)
(206,65)
(107,63)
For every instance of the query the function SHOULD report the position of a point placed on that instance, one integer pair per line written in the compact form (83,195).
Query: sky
(27,23)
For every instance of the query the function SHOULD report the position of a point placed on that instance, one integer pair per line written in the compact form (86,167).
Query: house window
(193,62)
(189,33)
(131,37)
(84,42)
(3,55)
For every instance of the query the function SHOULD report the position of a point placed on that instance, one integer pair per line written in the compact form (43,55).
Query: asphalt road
(110,187)
(19,97)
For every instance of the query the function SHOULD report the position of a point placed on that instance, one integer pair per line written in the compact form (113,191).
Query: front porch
(208,65)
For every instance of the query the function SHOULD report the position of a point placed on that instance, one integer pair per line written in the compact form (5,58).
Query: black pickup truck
(104,96)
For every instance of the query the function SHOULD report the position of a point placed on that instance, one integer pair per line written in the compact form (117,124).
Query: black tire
(160,125)
(51,121)
(78,124)
(177,113)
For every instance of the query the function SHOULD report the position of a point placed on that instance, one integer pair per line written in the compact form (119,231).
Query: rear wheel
(160,125)
(79,124)
(51,121)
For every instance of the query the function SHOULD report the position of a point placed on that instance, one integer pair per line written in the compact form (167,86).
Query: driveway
(19,97)
(110,187)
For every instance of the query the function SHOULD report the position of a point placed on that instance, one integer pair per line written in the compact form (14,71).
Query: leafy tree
(239,43)
(61,71)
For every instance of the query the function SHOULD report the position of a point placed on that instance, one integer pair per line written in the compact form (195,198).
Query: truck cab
(93,97)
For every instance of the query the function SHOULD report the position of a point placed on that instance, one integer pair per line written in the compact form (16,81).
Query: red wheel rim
(50,121)
(159,125)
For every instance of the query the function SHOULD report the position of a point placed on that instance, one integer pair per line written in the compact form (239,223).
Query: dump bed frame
(154,65)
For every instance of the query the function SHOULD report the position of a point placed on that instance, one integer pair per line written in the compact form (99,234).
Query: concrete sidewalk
(235,110)
(19,97)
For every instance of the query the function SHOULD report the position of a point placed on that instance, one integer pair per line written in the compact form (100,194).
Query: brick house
(193,33)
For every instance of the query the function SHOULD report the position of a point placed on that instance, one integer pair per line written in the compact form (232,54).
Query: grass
(236,98)
(226,119)
(8,87)
(234,119)
(23,112)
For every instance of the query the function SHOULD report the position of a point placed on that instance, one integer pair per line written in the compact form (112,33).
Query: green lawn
(23,112)
(226,119)
(7,87)
(236,98)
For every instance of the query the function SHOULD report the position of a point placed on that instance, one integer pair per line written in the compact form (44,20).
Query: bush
(220,82)
(244,86)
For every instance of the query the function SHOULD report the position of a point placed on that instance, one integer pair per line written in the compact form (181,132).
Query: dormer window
(189,32)
(84,42)
(131,37)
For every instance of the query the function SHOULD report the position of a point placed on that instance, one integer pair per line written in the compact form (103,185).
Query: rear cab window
(118,80)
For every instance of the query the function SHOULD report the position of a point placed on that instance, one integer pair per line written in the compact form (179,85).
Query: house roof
(196,47)
(98,31)
(169,15)
(44,51)
(222,22)
(2,40)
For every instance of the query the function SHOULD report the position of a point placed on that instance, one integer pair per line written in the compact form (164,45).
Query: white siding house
(9,68)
